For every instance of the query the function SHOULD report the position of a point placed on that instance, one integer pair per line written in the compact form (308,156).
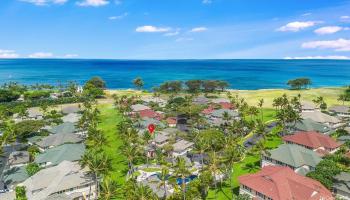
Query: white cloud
(306,14)
(118,17)
(345,17)
(183,39)
(152,29)
(329,30)
(8,54)
(319,57)
(338,45)
(41,55)
(297,26)
(70,56)
(207,1)
(199,29)
(44,2)
(172,33)
(93,3)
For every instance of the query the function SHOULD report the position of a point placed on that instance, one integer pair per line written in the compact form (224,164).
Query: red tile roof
(312,139)
(226,105)
(150,113)
(284,184)
(208,110)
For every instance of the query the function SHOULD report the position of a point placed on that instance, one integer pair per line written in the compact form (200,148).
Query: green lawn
(269,114)
(109,119)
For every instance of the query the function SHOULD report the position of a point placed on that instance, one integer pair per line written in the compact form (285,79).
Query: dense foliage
(299,83)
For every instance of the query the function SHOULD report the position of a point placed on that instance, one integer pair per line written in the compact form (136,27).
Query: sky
(175,29)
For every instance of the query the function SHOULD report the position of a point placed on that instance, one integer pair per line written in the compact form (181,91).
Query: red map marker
(151,128)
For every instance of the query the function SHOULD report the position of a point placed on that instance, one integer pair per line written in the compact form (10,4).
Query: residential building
(297,158)
(171,121)
(66,127)
(14,176)
(18,159)
(340,110)
(71,108)
(181,147)
(58,139)
(315,141)
(282,183)
(310,125)
(139,107)
(66,179)
(161,102)
(308,107)
(320,117)
(54,156)
(341,186)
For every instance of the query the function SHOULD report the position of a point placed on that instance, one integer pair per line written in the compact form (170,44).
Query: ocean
(241,74)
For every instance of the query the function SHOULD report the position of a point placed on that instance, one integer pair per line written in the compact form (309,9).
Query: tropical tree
(109,189)
(163,176)
(181,170)
(260,105)
(138,83)
(21,193)
(98,163)
(214,168)
(132,153)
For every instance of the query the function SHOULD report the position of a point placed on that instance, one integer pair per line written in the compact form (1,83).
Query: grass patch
(109,119)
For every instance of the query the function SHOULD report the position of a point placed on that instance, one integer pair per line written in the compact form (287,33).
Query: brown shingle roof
(312,139)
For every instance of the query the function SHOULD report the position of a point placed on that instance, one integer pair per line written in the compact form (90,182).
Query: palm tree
(233,154)
(252,111)
(98,163)
(261,104)
(214,168)
(131,152)
(261,129)
(342,98)
(135,191)
(201,146)
(181,170)
(109,189)
(163,180)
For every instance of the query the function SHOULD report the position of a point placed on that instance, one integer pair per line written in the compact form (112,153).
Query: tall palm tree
(109,189)
(233,154)
(261,104)
(132,152)
(181,170)
(163,180)
(135,191)
(98,164)
(214,168)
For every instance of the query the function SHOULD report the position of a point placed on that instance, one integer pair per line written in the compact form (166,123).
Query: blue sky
(175,29)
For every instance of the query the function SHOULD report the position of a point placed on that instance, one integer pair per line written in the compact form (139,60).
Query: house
(66,127)
(318,142)
(341,186)
(18,159)
(161,138)
(201,100)
(226,105)
(299,159)
(320,117)
(58,139)
(308,107)
(72,118)
(281,183)
(139,107)
(54,156)
(153,183)
(220,100)
(150,114)
(220,113)
(340,110)
(144,122)
(171,121)
(66,179)
(72,108)
(161,102)
(181,147)
(35,114)
(310,125)
(14,176)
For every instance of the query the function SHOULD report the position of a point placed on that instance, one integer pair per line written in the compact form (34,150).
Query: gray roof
(54,156)
(295,155)
(66,127)
(15,175)
(71,117)
(310,125)
(67,109)
(320,117)
(34,112)
(139,107)
(51,180)
(221,100)
(144,122)
(340,109)
(153,183)
(161,136)
(200,100)
(182,145)
(8,196)
(308,105)
(344,138)
(18,157)
(59,139)
(220,112)
(342,182)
